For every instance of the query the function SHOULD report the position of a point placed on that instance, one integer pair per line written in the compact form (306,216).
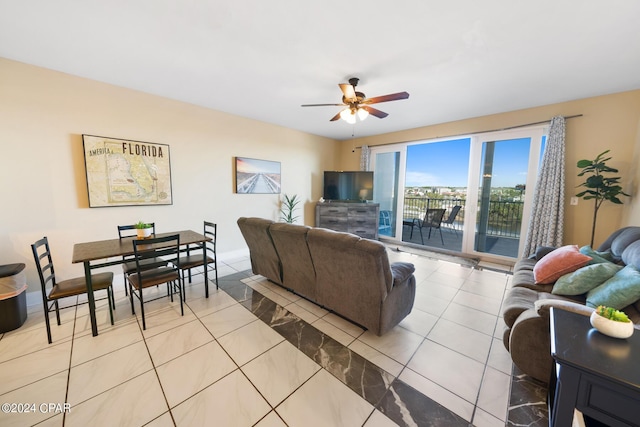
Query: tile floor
(256,354)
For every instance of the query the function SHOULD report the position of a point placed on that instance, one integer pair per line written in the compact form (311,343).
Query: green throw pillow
(619,291)
(598,257)
(584,279)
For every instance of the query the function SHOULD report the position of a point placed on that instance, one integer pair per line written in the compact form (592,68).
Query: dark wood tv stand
(360,219)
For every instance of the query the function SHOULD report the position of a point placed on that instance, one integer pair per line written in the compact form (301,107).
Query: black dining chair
(193,260)
(129,266)
(54,290)
(166,248)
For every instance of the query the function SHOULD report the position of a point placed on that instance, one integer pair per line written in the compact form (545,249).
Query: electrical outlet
(574,201)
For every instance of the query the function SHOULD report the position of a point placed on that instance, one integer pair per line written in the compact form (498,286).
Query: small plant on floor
(288,207)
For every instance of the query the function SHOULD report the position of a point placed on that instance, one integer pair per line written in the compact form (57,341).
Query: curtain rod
(467,133)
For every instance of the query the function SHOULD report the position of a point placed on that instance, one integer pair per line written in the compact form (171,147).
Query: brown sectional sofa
(526,307)
(339,271)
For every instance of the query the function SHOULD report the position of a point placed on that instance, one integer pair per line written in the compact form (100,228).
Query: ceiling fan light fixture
(348,116)
(356,106)
(362,113)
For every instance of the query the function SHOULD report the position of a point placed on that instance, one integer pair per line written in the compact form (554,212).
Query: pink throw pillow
(564,260)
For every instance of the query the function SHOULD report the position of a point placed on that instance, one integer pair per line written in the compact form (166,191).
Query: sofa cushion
(631,255)
(618,292)
(523,276)
(524,279)
(597,256)
(298,273)
(542,251)
(558,263)
(353,275)
(525,264)
(586,278)
(626,237)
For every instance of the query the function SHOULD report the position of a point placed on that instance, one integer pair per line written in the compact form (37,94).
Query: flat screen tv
(354,186)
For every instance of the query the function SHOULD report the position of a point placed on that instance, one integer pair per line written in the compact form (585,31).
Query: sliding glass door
(386,185)
(436,179)
(484,184)
(503,169)
(504,172)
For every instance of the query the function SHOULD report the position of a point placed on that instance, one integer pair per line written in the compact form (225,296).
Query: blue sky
(446,163)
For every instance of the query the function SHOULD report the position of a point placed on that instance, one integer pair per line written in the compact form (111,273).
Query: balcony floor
(452,241)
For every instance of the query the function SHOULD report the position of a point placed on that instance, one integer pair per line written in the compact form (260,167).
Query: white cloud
(420,179)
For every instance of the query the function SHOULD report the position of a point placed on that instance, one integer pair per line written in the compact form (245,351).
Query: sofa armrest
(542,307)
(401,271)
(530,345)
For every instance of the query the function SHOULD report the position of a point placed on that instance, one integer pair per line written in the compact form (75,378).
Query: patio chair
(384,226)
(452,217)
(432,220)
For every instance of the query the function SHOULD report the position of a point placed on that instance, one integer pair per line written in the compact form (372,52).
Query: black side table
(13,310)
(593,373)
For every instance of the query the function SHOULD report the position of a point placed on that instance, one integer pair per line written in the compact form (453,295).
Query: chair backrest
(210,231)
(44,264)
(167,247)
(385,220)
(453,214)
(131,231)
(433,218)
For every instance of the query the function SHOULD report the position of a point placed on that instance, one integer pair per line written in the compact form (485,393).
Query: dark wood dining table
(98,254)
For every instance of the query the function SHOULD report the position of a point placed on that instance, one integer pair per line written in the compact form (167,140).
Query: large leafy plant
(599,186)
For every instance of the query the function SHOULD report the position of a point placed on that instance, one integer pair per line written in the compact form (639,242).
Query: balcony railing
(504,217)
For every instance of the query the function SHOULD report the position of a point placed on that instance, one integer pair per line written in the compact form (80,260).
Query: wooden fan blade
(386,98)
(336,117)
(348,91)
(379,114)
(321,105)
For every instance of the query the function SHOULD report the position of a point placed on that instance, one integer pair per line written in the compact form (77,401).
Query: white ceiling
(263,59)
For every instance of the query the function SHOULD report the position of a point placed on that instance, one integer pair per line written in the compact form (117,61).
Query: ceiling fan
(357,103)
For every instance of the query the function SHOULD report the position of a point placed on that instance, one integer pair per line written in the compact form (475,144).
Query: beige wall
(43,190)
(631,216)
(43,187)
(608,122)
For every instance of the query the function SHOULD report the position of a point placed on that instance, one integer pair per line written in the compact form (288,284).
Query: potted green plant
(288,207)
(599,186)
(143,229)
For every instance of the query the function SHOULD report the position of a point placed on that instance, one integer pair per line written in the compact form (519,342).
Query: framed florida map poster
(123,172)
